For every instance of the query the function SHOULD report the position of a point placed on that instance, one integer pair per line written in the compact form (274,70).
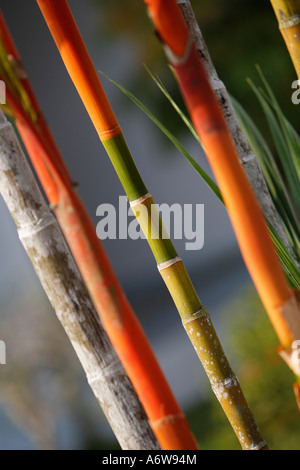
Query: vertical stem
(55,267)
(246,156)
(247,219)
(288,16)
(79,65)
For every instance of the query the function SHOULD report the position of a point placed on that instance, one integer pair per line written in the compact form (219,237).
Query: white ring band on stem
(140,200)
(167,264)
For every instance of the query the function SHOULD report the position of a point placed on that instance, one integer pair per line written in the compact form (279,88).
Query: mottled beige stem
(247,158)
(198,325)
(60,278)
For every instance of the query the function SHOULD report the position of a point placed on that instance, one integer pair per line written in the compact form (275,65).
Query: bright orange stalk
(247,219)
(126,334)
(83,71)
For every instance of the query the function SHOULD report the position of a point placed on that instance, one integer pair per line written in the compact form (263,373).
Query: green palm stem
(259,146)
(211,126)
(195,318)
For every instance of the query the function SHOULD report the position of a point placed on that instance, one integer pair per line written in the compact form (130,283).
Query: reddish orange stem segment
(78,62)
(247,219)
(164,16)
(123,328)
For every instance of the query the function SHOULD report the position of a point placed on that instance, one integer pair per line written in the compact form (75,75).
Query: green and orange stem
(124,330)
(195,318)
(281,303)
(288,16)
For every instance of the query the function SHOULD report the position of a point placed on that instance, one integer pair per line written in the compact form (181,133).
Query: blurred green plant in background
(266,381)
(264,377)
(250,342)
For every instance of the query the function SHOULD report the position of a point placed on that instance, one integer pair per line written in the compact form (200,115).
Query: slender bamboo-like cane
(288,16)
(166,417)
(246,156)
(55,267)
(195,318)
(256,246)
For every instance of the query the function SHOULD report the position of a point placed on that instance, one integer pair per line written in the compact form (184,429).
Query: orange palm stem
(247,219)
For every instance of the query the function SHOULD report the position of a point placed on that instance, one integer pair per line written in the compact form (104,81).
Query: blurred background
(45,402)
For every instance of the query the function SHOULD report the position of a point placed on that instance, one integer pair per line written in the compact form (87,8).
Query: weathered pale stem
(245,154)
(60,278)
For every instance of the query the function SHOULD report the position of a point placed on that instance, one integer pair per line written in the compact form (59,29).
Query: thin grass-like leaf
(282,144)
(267,161)
(181,114)
(208,180)
(259,146)
(287,129)
(287,261)
(272,174)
